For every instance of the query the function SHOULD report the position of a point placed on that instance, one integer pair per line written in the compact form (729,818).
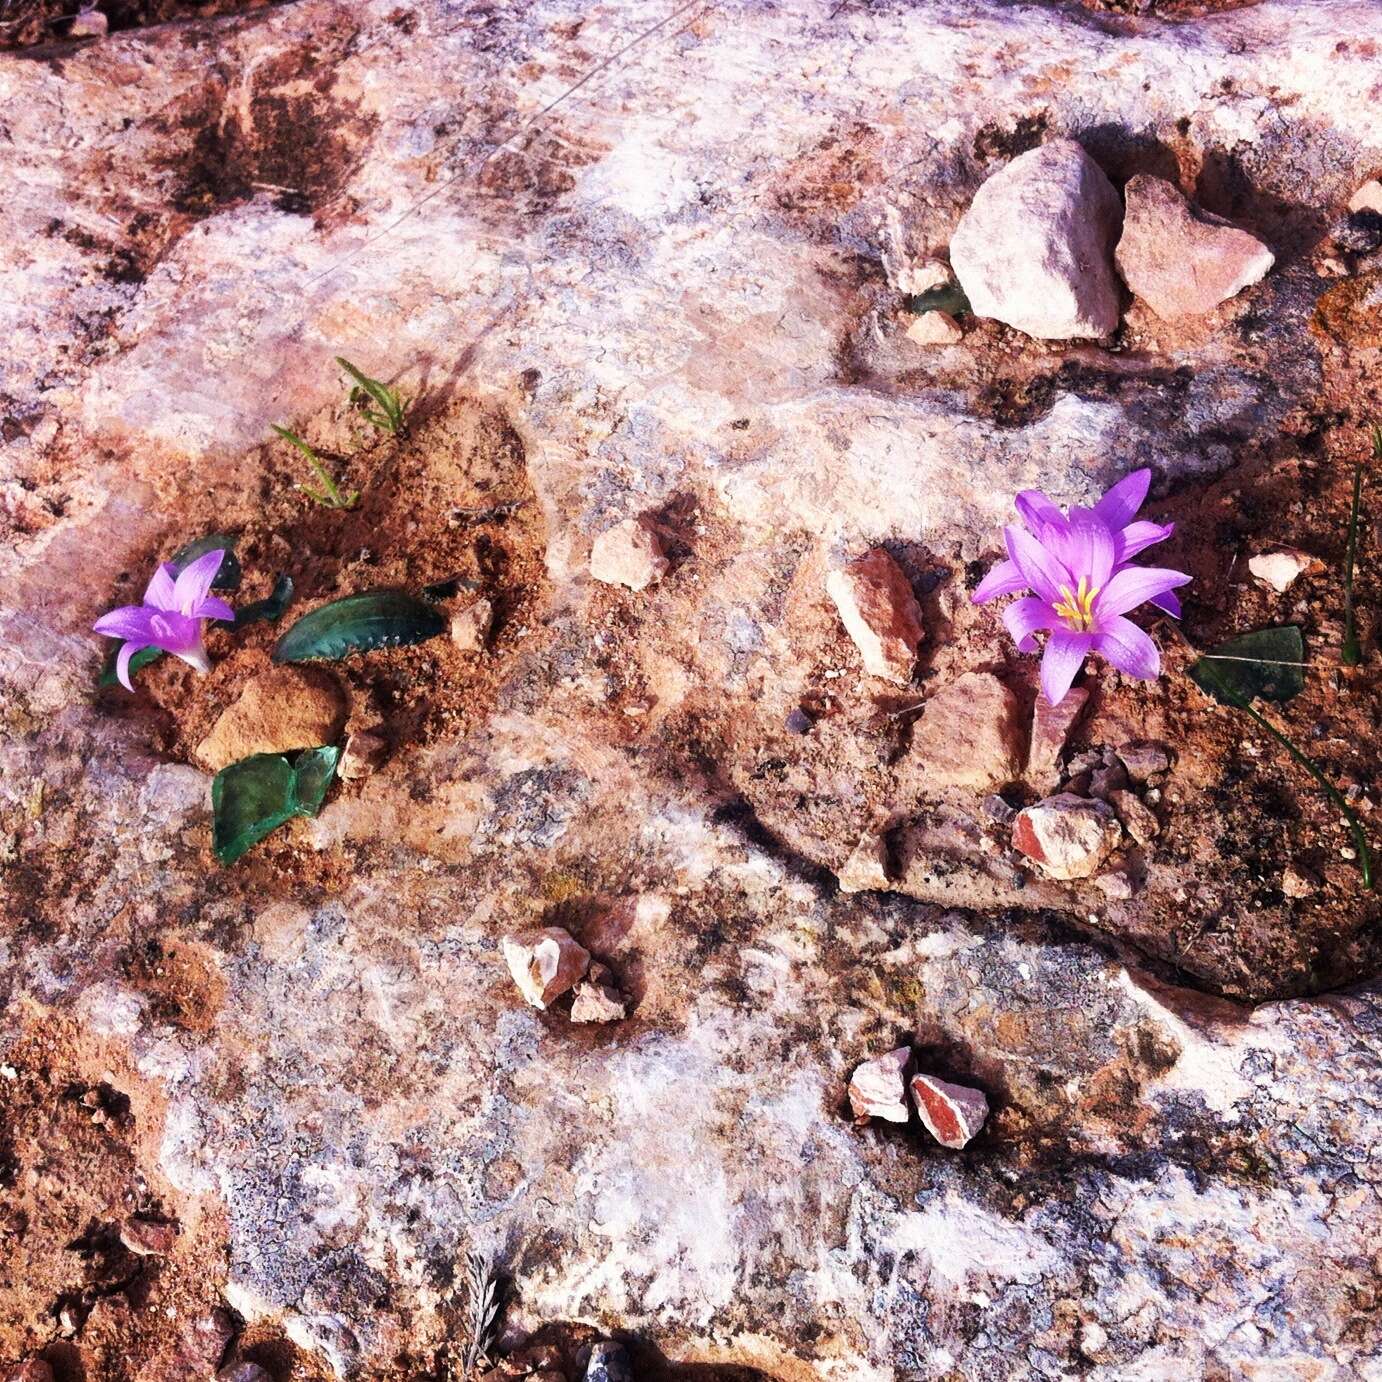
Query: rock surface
(1051,728)
(1068,836)
(666,294)
(1035,248)
(880,612)
(935,328)
(970,734)
(282,709)
(1178,259)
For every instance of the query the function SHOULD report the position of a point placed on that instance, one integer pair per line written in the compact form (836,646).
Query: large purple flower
(1083,584)
(170,617)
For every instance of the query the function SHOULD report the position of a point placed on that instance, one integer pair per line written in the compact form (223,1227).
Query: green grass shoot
(330,495)
(1351,653)
(388,413)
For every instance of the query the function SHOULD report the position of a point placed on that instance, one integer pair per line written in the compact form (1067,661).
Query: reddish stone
(953,1113)
(1051,728)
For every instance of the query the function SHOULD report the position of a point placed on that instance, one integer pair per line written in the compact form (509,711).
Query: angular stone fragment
(1182,261)
(1068,836)
(149,1237)
(609,1362)
(1144,760)
(880,612)
(1109,777)
(243,1372)
(970,734)
(1297,883)
(1035,247)
(866,869)
(364,753)
(545,965)
(878,1087)
(1280,569)
(282,709)
(90,23)
(629,554)
(598,998)
(935,328)
(1051,728)
(206,1338)
(470,627)
(953,1113)
(1139,820)
(1116,885)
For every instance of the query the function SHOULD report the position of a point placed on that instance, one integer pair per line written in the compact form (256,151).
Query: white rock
(924,275)
(1035,248)
(1281,568)
(89,24)
(1367,198)
(953,1113)
(935,328)
(598,998)
(878,1087)
(470,627)
(544,966)
(1068,836)
(880,612)
(629,554)
(866,869)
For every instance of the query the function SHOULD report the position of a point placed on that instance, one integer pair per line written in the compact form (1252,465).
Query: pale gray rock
(629,554)
(1035,248)
(878,1087)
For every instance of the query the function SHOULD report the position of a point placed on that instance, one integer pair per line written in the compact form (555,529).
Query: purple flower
(1083,584)
(170,617)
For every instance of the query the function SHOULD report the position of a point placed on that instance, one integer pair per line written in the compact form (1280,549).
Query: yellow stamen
(1077,607)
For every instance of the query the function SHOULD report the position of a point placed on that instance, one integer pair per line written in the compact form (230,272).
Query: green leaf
(1267,662)
(271,607)
(252,798)
(946,297)
(390,416)
(357,623)
(141,659)
(227,574)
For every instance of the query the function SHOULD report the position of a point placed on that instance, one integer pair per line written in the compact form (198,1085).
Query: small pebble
(609,1362)
(799,722)
(148,1237)
(470,627)
(997,809)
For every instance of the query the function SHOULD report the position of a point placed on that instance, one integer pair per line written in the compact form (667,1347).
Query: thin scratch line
(523,130)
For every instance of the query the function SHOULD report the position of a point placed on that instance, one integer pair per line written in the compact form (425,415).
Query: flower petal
(1037,511)
(193,586)
(211,608)
(1003,579)
(1024,617)
(1169,602)
(1039,568)
(129,621)
(122,662)
(1129,649)
(161,587)
(1091,548)
(1064,656)
(1136,536)
(195,654)
(1119,506)
(1131,586)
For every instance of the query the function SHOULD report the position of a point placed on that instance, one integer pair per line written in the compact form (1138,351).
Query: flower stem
(1351,654)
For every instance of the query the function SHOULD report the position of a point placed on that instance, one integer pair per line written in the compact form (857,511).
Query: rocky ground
(653,263)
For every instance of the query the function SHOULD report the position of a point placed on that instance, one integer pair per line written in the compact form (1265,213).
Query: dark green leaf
(141,659)
(227,574)
(357,623)
(253,797)
(1267,662)
(271,607)
(947,297)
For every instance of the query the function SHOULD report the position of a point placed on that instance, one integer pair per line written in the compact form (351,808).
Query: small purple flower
(1083,584)
(170,617)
